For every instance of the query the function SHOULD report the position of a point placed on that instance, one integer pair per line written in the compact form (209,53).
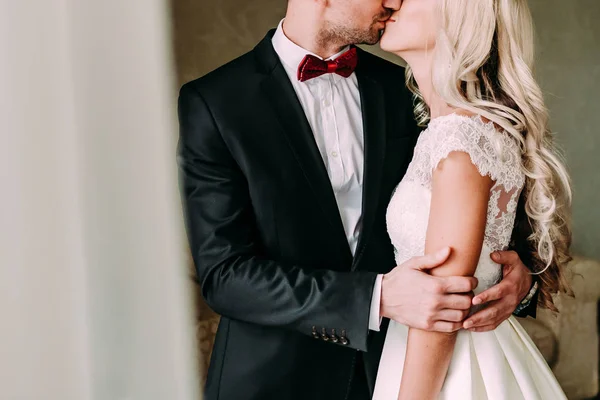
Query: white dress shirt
(332,106)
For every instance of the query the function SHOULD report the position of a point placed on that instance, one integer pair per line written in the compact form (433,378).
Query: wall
(92,298)
(568,69)
(210,33)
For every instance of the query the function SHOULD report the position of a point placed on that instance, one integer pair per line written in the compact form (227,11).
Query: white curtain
(93,302)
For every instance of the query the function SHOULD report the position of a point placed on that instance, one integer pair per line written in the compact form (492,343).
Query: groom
(288,163)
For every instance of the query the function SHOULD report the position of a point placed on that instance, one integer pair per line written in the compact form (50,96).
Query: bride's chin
(383,42)
(387,45)
(389,42)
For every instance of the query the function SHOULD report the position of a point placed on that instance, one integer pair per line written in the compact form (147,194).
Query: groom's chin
(374,38)
(372,42)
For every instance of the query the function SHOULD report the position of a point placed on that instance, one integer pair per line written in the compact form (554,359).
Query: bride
(486,148)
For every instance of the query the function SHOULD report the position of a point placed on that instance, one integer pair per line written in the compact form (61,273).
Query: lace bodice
(495,154)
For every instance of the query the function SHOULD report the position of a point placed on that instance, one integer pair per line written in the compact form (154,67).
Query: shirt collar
(290,54)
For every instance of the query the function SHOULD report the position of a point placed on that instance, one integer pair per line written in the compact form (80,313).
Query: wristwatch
(527,300)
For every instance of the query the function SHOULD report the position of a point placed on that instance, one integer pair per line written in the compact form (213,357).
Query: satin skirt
(503,364)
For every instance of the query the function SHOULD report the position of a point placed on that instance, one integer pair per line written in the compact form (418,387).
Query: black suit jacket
(265,232)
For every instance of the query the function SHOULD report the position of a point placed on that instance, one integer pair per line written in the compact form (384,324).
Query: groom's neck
(305,25)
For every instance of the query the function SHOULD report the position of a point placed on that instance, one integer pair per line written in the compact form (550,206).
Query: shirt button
(334,154)
(326,103)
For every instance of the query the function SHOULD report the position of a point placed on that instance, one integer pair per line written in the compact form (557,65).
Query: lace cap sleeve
(494,153)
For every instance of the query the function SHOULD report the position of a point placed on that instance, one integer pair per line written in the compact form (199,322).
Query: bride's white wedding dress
(500,365)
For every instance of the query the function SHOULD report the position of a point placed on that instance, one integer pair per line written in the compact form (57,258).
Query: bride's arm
(457,219)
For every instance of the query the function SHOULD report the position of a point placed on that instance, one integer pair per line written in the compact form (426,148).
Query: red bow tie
(311,66)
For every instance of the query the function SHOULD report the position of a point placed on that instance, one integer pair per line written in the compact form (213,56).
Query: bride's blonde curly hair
(483,62)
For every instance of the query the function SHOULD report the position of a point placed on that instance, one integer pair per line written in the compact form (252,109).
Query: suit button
(314,333)
(324,335)
(334,339)
(343,339)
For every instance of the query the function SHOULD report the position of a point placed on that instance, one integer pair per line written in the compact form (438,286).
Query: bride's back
(495,154)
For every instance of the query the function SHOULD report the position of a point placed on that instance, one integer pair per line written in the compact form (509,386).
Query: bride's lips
(391,20)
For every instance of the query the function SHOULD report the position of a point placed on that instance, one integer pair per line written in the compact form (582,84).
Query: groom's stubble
(349,33)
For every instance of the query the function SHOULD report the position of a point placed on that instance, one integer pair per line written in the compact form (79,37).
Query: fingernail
(468,324)
(494,256)
(476,301)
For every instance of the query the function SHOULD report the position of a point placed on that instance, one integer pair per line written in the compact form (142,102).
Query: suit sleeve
(530,309)
(236,280)
(520,243)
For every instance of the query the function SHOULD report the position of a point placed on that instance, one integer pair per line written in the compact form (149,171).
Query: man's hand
(504,297)
(410,296)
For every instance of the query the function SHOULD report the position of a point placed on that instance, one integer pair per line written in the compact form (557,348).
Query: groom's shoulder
(241,73)
(228,75)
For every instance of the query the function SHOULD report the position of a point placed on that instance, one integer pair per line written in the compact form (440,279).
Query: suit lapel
(374,127)
(282,97)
